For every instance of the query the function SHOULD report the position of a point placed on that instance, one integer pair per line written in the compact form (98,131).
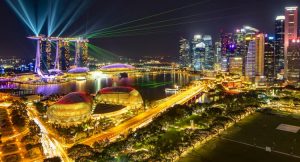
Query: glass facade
(269,59)
(250,60)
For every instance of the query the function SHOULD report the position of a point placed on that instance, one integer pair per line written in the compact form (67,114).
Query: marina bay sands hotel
(54,53)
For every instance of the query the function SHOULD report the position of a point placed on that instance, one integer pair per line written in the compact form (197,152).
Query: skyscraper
(248,35)
(236,65)
(84,54)
(250,61)
(239,40)
(64,55)
(269,58)
(217,58)
(45,55)
(290,30)
(184,53)
(198,48)
(259,58)
(225,39)
(209,53)
(81,53)
(293,61)
(279,46)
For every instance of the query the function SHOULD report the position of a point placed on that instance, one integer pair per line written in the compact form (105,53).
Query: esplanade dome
(119,95)
(74,108)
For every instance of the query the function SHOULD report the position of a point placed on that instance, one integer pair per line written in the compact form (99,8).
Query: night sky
(163,41)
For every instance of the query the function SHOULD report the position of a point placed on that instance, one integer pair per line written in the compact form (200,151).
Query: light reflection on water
(151,86)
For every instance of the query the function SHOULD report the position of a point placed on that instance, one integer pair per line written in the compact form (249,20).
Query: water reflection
(80,85)
(150,85)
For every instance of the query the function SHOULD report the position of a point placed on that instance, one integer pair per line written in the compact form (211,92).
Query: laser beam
(155,15)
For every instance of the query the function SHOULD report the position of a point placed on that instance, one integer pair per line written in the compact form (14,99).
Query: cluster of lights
(280,17)
(232,46)
(197,37)
(246,29)
(248,38)
(237,58)
(296,40)
(291,8)
(269,37)
(250,28)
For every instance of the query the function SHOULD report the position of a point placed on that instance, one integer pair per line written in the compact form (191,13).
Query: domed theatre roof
(72,109)
(74,97)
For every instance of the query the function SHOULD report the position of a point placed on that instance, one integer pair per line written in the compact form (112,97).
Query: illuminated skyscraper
(225,39)
(279,46)
(293,61)
(249,34)
(259,58)
(49,60)
(239,41)
(237,44)
(198,48)
(290,30)
(250,71)
(184,53)
(45,55)
(291,23)
(81,53)
(209,53)
(84,54)
(64,55)
(217,58)
(236,65)
(269,59)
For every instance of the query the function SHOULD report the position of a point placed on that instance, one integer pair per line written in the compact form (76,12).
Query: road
(51,146)
(146,117)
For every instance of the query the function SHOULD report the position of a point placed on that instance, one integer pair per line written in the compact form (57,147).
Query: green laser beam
(155,15)
(136,33)
(168,20)
(167,25)
(102,54)
(153,84)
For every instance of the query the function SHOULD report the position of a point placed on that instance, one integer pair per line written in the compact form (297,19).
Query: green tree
(40,107)
(18,120)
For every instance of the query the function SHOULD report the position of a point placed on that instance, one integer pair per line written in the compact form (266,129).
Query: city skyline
(124,45)
(155,80)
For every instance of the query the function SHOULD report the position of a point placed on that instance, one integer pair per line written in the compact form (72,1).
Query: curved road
(146,117)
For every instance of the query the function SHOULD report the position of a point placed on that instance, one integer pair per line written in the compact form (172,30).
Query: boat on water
(172,90)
